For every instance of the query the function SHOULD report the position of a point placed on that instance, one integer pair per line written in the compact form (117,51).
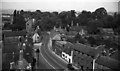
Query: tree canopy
(66,19)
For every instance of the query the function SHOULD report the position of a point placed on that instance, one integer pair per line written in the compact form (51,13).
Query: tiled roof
(108,30)
(62,42)
(53,33)
(78,28)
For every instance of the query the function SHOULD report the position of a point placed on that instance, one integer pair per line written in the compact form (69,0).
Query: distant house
(57,37)
(61,31)
(106,32)
(29,25)
(81,29)
(7,19)
(53,33)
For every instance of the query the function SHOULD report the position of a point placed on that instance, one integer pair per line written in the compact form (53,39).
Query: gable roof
(78,28)
(106,29)
(61,30)
(53,33)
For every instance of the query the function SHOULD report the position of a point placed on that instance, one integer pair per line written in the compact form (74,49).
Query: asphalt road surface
(47,59)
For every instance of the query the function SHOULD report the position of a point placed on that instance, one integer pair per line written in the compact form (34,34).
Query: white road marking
(55,60)
(45,59)
(57,55)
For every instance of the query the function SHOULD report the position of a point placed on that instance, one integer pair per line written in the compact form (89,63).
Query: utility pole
(72,56)
(95,60)
(99,48)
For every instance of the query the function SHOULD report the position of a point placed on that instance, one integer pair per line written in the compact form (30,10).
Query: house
(61,31)
(63,48)
(36,37)
(106,32)
(55,35)
(29,25)
(81,29)
(7,18)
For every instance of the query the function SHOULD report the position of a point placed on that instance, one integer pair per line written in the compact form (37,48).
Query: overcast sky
(60,5)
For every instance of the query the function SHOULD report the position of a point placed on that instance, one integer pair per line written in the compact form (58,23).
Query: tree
(108,21)
(18,21)
(62,16)
(91,41)
(117,23)
(15,12)
(37,15)
(38,11)
(100,13)
(21,12)
(93,26)
(84,18)
(14,16)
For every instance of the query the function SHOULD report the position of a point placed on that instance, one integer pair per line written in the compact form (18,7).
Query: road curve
(49,58)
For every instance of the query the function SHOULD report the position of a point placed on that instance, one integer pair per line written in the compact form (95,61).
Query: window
(69,60)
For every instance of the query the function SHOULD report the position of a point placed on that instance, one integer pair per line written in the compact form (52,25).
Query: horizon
(59,5)
(10,11)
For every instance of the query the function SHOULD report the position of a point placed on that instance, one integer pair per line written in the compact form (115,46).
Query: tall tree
(21,12)
(84,18)
(116,27)
(108,21)
(93,26)
(100,13)
(18,21)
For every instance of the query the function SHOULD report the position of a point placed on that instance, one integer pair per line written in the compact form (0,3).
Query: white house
(68,57)
(36,37)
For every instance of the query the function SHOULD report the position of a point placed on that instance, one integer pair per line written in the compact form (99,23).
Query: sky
(60,5)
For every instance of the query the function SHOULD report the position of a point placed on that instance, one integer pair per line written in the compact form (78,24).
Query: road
(47,59)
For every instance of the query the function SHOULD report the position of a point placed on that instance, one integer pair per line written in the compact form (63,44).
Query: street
(47,59)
